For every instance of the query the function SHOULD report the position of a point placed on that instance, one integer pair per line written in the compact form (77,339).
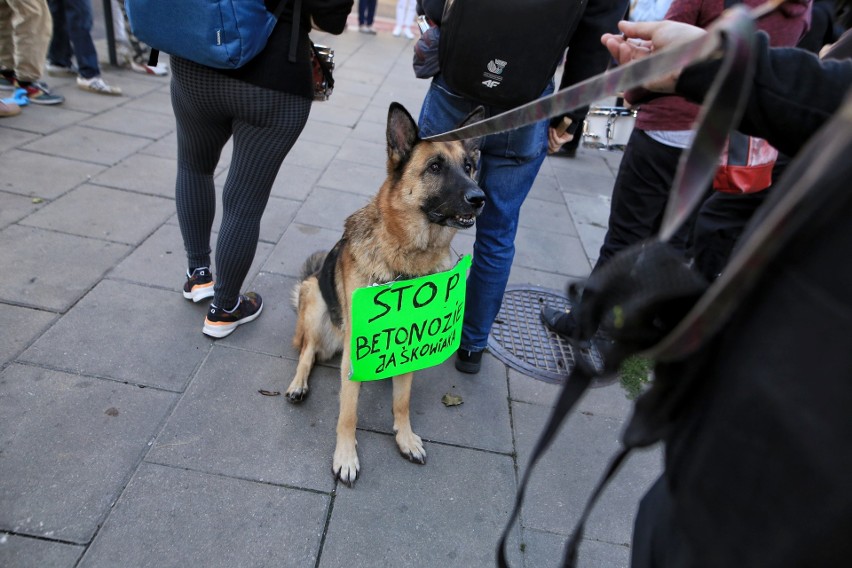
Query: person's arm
(432,9)
(329,15)
(783,111)
(586,56)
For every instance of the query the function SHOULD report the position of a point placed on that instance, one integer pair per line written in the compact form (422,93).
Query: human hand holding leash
(641,39)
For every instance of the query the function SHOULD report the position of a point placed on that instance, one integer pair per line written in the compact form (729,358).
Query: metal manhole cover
(520,340)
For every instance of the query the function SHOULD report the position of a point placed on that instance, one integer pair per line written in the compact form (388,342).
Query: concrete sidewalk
(128,438)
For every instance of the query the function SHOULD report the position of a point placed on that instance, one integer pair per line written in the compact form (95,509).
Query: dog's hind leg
(409,443)
(345,465)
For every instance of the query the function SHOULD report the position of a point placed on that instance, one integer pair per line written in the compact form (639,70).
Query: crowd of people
(54,37)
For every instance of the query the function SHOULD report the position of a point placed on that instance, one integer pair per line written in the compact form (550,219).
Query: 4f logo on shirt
(493,74)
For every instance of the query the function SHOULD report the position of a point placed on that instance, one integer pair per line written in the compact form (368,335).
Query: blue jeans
(510,161)
(72,26)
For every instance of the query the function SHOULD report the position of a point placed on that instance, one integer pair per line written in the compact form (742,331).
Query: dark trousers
(366,12)
(640,195)
(657,539)
(721,220)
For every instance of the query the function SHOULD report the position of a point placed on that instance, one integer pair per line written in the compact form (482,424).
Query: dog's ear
(402,133)
(473,144)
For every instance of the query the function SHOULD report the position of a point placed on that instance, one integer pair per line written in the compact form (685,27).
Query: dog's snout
(475,197)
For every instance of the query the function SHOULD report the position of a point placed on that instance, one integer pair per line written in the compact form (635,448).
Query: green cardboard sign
(407,325)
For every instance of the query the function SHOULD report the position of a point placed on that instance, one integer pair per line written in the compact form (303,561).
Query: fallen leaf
(269,393)
(38,200)
(451,399)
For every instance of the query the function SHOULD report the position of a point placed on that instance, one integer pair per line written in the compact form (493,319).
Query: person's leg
(640,193)
(509,165)
(371,11)
(7,42)
(31,29)
(59,51)
(267,125)
(362,12)
(78,14)
(201,135)
(721,220)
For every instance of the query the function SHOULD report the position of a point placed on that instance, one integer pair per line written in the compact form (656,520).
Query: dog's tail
(310,267)
(313,264)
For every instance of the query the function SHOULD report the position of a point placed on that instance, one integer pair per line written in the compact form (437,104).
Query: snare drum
(608,127)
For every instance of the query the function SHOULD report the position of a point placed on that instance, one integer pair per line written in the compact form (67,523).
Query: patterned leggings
(209,108)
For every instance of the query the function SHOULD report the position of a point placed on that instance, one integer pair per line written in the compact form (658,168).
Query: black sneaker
(199,284)
(559,321)
(468,361)
(220,323)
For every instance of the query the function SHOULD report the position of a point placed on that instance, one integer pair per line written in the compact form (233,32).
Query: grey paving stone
(299,242)
(160,261)
(128,333)
(609,400)
(156,102)
(312,154)
(175,518)
(36,254)
(35,175)
(547,549)
(537,213)
(371,153)
(223,424)
(295,182)
(143,173)
(482,421)
(324,132)
(13,136)
(353,177)
(566,475)
(45,120)
(18,327)
(130,121)
(544,279)
(70,443)
(589,209)
(15,207)
(589,183)
(22,552)
(449,512)
(546,187)
(346,117)
(329,208)
(369,131)
(272,333)
(165,147)
(89,145)
(352,101)
(104,213)
(542,249)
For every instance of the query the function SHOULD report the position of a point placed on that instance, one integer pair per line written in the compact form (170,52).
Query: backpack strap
(297,18)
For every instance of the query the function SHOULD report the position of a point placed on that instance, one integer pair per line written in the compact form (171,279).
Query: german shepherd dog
(403,232)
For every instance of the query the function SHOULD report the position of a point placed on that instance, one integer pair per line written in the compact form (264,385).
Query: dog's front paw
(411,447)
(345,466)
(296,395)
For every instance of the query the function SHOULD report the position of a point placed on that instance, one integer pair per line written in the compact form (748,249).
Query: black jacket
(586,57)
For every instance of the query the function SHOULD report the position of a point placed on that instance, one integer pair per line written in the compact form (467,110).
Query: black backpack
(504,52)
